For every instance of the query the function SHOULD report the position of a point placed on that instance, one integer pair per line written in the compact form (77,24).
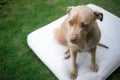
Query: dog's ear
(98,15)
(69,9)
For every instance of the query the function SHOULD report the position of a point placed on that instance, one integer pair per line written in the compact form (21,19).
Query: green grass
(20,17)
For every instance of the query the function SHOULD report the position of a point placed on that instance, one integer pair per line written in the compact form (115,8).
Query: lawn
(20,17)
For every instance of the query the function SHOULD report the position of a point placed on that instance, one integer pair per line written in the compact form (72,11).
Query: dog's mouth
(73,41)
(77,41)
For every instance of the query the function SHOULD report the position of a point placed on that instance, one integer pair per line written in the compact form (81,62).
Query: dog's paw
(67,54)
(73,75)
(94,67)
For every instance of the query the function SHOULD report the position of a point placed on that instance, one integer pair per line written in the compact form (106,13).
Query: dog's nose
(73,39)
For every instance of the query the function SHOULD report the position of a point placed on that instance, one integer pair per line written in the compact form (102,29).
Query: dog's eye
(71,22)
(83,25)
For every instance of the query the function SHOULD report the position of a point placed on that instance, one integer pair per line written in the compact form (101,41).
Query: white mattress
(45,46)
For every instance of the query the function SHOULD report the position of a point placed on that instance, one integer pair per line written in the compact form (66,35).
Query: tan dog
(80,32)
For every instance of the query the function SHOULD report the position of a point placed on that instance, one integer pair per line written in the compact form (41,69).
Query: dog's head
(81,21)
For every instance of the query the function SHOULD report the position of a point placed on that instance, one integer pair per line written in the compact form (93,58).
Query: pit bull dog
(80,32)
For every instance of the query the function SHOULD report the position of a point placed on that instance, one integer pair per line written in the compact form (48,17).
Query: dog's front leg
(94,65)
(74,71)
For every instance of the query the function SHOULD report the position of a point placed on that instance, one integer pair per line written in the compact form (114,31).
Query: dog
(80,32)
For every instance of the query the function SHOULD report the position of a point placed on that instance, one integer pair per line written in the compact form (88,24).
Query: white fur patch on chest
(80,47)
(86,48)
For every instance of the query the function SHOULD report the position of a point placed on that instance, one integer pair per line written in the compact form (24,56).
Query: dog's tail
(102,45)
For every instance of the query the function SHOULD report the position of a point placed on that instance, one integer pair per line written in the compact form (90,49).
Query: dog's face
(81,20)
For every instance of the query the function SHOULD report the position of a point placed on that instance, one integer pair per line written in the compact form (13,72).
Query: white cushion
(45,46)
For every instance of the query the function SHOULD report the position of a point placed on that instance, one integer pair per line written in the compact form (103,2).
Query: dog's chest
(85,47)
(82,47)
